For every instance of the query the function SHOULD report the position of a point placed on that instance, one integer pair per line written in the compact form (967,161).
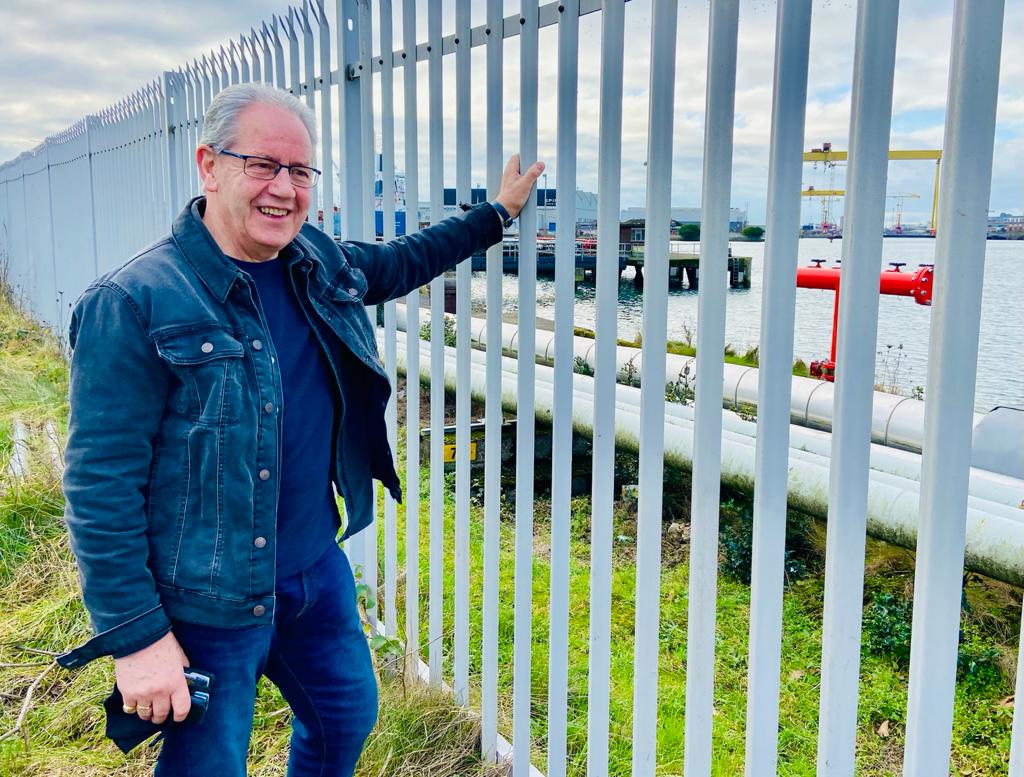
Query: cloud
(52,73)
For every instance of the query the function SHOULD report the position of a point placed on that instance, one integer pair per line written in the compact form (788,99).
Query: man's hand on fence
(516,186)
(152,682)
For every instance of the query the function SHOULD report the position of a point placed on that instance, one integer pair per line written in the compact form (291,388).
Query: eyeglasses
(267,169)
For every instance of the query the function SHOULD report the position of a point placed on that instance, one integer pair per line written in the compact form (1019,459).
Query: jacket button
(260,542)
(264,474)
(206,347)
(257,345)
(258,610)
(354,292)
(269,407)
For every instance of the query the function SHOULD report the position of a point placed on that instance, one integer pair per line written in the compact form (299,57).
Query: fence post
(349,99)
(171,154)
(90,121)
(349,102)
(952,372)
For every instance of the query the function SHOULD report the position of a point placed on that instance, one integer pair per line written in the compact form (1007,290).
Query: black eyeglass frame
(279,165)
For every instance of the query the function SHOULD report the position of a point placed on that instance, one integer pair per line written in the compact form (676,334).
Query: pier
(687,263)
(585,263)
(681,263)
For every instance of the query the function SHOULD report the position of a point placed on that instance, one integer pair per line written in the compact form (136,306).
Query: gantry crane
(897,222)
(829,158)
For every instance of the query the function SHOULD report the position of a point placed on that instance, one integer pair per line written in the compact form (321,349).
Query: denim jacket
(173,453)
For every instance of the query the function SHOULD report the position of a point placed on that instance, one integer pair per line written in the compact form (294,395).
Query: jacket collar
(204,255)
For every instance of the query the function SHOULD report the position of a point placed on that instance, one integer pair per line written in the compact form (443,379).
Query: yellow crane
(897,225)
(829,157)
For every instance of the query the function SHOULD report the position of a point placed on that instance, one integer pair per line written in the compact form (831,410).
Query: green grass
(686,348)
(419,732)
(982,718)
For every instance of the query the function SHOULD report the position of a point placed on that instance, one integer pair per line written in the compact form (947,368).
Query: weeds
(887,627)
(581,366)
(448,327)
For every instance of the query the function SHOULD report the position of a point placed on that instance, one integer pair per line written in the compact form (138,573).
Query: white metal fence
(87,198)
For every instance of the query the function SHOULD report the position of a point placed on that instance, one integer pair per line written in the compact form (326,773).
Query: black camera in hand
(127,730)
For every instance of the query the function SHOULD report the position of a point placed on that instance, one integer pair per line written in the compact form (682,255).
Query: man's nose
(281,184)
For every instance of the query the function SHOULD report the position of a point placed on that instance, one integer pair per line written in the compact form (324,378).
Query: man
(221,381)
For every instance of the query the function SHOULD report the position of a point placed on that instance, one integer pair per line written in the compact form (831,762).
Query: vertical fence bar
(170,146)
(58,319)
(363,67)
(130,159)
(193,127)
(707,437)
(186,161)
(154,173)
(232,58)
(211,63)
(255,47)
(149,217)
(785,165)
(280,81)
(463,324)
(492,401)
(225,74)
(387,174)
(97,171)
(525,390)
(326,115)
(309,90)
(126,236)
(207,94)
(268,56)
(412,341)
(90,130)
(294,76)
(952,370)
(561,421)
(243,45)
(856,335)
(141,137)
(105,177)
(1017,734)
(351,127)
(603,474)
(436,109)
(652,386)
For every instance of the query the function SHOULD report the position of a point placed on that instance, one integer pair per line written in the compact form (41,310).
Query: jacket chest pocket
(209,364)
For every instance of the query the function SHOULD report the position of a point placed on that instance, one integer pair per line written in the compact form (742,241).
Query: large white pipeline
(897,422)
(995,521)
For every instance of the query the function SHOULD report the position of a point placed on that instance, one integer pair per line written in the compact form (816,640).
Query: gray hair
(220,125)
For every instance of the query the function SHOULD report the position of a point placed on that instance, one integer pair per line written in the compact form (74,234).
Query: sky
(57,66)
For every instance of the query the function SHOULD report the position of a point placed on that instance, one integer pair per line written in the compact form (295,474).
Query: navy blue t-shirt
(307,514)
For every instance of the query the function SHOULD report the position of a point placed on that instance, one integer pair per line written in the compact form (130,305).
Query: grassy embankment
(685,347)
(60,733)
(991,618)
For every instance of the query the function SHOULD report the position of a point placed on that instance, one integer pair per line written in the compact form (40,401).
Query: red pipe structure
(894,281)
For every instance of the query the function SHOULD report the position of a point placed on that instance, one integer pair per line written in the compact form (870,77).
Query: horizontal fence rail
(88,198)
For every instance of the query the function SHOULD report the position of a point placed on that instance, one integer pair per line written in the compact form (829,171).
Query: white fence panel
(88,198)
(43,289)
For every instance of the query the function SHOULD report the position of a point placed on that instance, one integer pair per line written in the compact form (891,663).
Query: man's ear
(205,159)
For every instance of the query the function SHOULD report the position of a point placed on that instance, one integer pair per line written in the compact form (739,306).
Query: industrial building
(737,216)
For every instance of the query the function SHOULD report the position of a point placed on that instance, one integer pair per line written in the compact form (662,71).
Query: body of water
(903,325)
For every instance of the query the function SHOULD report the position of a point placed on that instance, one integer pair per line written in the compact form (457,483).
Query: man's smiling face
(250,218)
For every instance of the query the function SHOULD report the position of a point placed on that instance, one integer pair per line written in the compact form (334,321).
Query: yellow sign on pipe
(449,453)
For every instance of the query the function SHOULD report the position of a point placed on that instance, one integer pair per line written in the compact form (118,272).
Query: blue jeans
(315,652)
